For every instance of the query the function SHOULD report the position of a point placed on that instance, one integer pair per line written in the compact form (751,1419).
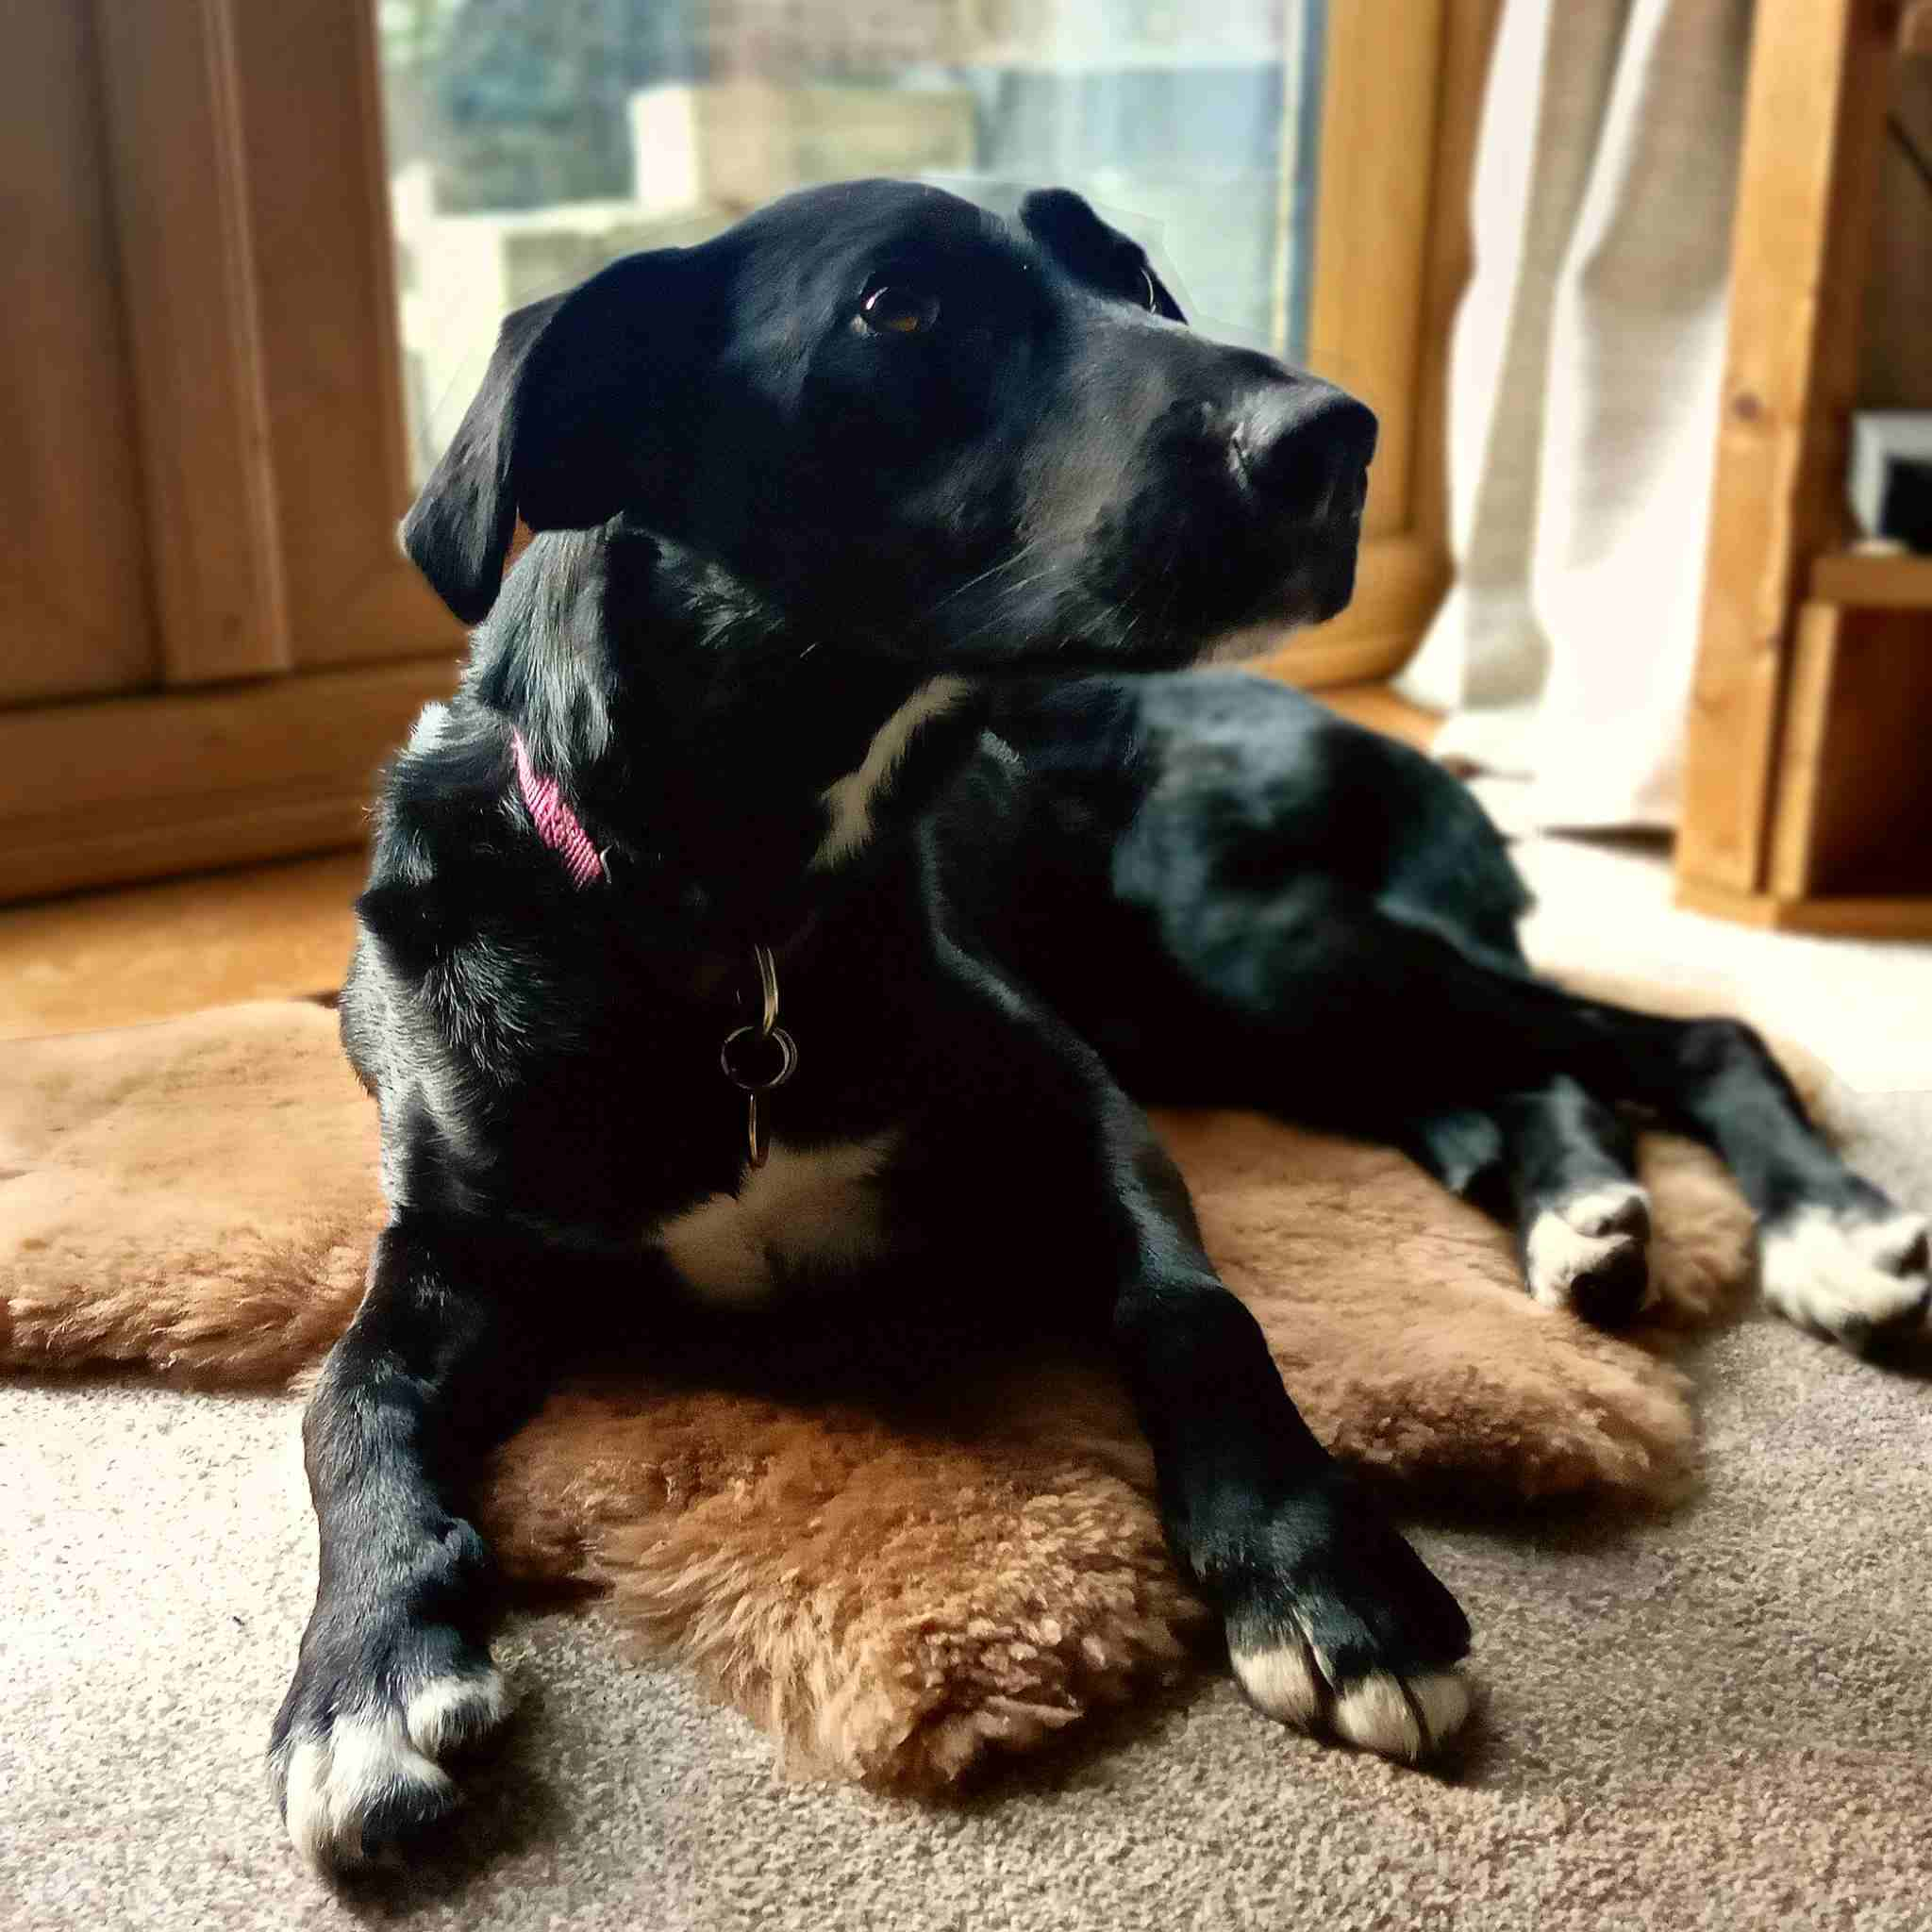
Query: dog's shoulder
(461,938)
(445,863)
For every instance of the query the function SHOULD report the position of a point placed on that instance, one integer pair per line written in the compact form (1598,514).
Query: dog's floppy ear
(576,417)
(457,531)
(1065,222)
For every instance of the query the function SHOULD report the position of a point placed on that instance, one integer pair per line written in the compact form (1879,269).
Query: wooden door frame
(242,255)
(1401,108)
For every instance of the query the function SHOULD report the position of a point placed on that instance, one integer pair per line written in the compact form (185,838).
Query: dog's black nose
(1304,448)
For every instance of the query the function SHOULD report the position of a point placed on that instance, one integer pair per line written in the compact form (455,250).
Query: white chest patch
(808,1210)
(848,800)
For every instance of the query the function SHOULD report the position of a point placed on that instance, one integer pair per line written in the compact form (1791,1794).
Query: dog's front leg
(1332,1620)
(395,1672)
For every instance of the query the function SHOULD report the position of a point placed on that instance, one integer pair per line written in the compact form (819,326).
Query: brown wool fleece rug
(899,1545)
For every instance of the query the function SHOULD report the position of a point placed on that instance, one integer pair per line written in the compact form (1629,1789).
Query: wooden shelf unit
(1848,834)
(1808,788)
(1868,580)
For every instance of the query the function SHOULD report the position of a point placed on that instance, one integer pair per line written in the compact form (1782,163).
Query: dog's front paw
(357,1757)
(1334,1622)
(1856,1272)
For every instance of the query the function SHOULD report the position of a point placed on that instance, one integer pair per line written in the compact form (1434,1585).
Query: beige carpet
(1718,1717)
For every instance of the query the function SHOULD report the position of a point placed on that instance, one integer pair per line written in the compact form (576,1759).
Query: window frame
(1401,99)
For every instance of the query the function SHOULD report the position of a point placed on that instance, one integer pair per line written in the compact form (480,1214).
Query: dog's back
(1137,819)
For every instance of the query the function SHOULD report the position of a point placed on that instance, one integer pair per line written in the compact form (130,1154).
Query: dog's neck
(731,768)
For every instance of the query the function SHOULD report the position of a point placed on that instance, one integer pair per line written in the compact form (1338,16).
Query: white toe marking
(1565,1243)
(1886,1243)
(1841,1275)
(1593,1212)
(1289,1682)
(1375,1715)
(1445,1700)
(306,1802)
(1281,1681)
(448,1711)
(1378,1715)
(335,1781)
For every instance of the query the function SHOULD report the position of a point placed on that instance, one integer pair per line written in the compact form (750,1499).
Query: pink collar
(558,826)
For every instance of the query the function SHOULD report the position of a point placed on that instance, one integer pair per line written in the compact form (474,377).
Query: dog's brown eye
(1150,294)
(899,311)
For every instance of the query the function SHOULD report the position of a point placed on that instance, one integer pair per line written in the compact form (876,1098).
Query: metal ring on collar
(754,1083)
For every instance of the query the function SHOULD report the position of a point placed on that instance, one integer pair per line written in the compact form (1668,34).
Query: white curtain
(1584,384)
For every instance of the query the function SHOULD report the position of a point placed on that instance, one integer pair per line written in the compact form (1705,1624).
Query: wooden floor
(1380,710)
(142,953)
(145,953)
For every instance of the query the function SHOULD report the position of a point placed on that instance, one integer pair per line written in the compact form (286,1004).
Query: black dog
(784,898)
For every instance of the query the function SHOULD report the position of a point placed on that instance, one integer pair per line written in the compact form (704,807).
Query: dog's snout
(1306,449)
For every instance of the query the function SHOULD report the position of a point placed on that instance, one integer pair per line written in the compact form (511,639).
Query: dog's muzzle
(1302,450)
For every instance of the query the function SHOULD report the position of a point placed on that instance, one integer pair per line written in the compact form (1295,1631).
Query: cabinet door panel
(171,90)
(74,616)
(313,175)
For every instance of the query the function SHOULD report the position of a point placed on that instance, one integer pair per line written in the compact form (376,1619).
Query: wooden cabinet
(74,612)
(207,636)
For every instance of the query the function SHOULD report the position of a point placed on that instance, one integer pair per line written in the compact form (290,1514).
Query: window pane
(532,140)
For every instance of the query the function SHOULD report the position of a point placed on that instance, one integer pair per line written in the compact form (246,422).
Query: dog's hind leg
(1559,1167)
(1312,998)
(1837,1255)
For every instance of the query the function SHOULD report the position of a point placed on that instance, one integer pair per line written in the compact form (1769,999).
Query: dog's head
(932,432)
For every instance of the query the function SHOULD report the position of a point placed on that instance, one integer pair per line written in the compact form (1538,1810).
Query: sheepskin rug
(902,1540)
